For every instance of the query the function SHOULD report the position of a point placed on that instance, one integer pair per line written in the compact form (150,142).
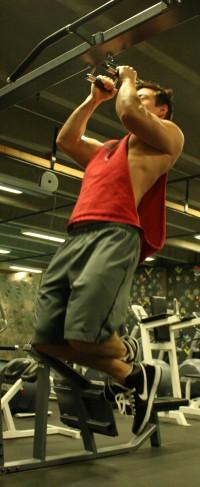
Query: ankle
(134,377)
(129,370)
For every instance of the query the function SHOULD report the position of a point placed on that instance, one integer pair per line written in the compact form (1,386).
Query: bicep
(83,150)
(160,134)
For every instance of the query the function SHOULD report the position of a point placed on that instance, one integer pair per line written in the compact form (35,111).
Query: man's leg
(107,283)
(138,383)
(109,357)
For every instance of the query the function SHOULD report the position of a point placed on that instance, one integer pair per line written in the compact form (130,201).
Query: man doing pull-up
(118,220)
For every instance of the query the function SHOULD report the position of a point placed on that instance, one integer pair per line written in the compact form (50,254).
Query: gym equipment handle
(56,36)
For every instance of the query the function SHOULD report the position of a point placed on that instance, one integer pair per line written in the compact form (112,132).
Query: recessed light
(10,190)
(25,269)
(43,236)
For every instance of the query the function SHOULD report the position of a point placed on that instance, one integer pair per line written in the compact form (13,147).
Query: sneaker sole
(154,388)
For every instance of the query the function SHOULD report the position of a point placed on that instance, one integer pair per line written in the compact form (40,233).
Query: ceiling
(28,124)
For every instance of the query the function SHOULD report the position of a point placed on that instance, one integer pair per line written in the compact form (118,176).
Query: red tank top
(107,195)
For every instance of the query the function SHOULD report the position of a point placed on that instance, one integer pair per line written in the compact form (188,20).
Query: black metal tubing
(184,178)
(56,36)
(152,21)
(38,212)
(40,436)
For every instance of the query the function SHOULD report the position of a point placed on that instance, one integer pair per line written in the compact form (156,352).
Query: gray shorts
(85,291)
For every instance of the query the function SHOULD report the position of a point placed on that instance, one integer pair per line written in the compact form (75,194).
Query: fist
(127,72)
(104,88)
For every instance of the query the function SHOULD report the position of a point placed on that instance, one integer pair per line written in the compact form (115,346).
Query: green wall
(18,297)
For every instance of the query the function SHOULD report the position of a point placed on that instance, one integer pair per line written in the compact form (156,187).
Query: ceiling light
(19,276)
(25,269)
(44,236)
(3,251)
(197,236)
(149,259)
(10,190)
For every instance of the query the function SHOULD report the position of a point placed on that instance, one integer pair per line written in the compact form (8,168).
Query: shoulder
(174,128)
(176,141)
(176,136)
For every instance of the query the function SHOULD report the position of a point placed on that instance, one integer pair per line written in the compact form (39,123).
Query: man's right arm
(71,137)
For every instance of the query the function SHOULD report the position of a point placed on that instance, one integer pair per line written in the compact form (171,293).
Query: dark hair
(164,96)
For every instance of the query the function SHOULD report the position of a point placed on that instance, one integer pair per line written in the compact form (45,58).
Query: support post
(41,414)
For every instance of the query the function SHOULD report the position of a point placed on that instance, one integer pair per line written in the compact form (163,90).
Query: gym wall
(18,294)
(18,297)
(180,282)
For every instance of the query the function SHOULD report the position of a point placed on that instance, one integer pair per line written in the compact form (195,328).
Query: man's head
(156,99)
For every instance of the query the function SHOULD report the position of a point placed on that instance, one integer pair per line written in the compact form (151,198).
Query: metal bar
(59,34)
(33,213)
(191,212)
(81,456)
(149,22)
(187,190)
(27,158)
(184,178)
(87,435)
(155,438)
(40,436)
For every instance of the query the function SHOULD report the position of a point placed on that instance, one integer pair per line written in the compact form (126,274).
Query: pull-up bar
(158,18)
(59,34)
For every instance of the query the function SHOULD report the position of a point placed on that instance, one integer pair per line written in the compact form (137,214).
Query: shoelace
(126,399)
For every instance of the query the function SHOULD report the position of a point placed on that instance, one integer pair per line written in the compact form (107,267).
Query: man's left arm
(160,134)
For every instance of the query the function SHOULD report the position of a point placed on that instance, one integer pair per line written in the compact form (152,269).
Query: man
(118,220)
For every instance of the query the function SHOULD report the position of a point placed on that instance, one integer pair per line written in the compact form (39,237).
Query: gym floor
(175,464)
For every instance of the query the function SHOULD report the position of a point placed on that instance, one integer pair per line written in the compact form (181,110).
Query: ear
(163,111)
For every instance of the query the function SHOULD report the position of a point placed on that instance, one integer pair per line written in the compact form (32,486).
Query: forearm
(128,103)
(144,120)
(75,126)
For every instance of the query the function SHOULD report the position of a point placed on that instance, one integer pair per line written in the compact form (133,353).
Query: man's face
(148,99)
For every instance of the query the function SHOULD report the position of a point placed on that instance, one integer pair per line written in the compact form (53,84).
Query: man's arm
(161,134)
(71,137)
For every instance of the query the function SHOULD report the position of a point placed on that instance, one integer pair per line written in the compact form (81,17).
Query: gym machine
(82,403)
(19,378)
(91,53)
(82,406)
(164,327)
